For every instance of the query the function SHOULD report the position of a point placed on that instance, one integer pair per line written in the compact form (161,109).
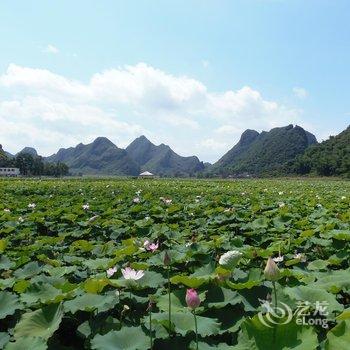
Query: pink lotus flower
(151,246)
(131,274)
(192,299)
(110,272)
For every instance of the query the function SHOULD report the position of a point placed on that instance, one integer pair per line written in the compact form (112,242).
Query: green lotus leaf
(40,323)
(341,235)
(332,281)
(218,297)
(313,295)
(151,279)
(128,338)
(253,279)
(205,346)
(9,303)
(318,265)
(338,338)
(27,343)
(4,339)
(344,315)
(6,263)
(29,270)
(184,323)
(94,285)
(191,282)
(178,302)
(3,245)
(97,264)
(256,335)
(90,302)
(41,292)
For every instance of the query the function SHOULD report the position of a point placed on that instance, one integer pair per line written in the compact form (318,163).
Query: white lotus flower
(280,193)
(136,200)
(31,205)
(20,219)
(86,206)
(281,204)
(7,210)
(110,272)
(343,197)
(166,201)
(230,259)
(278,259)
(300,257)
(131,274)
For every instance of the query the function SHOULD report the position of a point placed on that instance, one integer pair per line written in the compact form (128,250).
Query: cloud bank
(47,110)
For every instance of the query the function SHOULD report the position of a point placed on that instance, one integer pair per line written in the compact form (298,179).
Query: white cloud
(213,144)
(126,101)
(227,129)
(300,92)
(51,49)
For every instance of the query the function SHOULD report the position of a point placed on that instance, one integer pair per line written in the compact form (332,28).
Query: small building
(9,172)
(146,175)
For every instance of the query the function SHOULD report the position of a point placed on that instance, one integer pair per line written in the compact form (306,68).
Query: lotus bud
(271,272)
(126,308)
(230,259)
(166,259)
(192,299)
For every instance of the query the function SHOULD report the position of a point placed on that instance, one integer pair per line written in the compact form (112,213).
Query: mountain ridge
(161,159)
(268,151)
(279,151)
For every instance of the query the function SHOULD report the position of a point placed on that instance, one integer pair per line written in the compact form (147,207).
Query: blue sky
(192,74)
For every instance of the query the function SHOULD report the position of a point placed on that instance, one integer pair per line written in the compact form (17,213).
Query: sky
(193,74)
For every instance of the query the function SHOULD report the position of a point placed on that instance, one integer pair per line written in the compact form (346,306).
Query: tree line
(30,165)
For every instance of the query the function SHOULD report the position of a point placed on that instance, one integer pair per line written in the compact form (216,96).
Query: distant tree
(31,165)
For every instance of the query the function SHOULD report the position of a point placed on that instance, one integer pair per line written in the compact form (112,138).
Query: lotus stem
(275,293)
(274,326)
(196,328)
(150,326)
(169,298)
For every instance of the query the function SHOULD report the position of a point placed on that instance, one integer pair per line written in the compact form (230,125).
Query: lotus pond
(174,264)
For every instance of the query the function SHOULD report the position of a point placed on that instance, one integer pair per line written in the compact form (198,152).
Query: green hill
(328,158)
(29,150)
(162,160)
(3,157)
(99,157)
(264,153)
